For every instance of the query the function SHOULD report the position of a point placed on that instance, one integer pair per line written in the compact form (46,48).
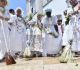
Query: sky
(57,6)
(17,3)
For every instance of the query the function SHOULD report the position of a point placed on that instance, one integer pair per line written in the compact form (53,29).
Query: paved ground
(41,64)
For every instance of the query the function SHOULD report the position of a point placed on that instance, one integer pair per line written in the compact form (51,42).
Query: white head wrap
(20,9)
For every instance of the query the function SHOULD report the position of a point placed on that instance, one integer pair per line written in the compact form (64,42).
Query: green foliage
(30,17)
(67,20)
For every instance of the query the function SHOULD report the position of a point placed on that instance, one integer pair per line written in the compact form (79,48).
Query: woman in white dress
(20,32)
(3,29)
(12,30)
(67,55)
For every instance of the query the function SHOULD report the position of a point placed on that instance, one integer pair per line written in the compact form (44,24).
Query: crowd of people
(46,36)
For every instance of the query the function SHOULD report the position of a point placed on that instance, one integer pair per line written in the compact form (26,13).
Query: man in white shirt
(51,33)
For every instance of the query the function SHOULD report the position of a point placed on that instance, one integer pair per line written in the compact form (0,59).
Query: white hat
(20,9)
(48,10)
(59,17)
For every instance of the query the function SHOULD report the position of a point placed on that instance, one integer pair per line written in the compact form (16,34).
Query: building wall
(37,5)
(57,6)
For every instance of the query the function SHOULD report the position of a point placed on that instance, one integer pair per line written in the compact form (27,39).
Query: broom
(8,58)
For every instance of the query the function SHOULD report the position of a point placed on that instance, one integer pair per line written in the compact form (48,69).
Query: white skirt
(51,45)
(2,40)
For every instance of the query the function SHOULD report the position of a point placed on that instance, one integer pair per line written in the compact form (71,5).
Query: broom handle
(4,36)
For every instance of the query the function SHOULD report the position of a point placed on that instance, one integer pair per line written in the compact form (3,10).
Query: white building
(57,6)
(39,6)
(36,6)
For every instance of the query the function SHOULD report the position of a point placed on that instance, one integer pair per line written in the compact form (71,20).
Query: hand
(10,24)
(53,35)
(70,42)
(1,17)
(50,33)
(9,29)
(6,18)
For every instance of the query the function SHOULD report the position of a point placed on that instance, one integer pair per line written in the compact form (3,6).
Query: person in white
(72,32)
(76,39)
(68,31)
(67,41)
(60,30)
(51,34)
(20,31)
(12,30)
(37,34)
(4,32)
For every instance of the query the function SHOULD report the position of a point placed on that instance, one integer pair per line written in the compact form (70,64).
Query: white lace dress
(6,32)
(20,35)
